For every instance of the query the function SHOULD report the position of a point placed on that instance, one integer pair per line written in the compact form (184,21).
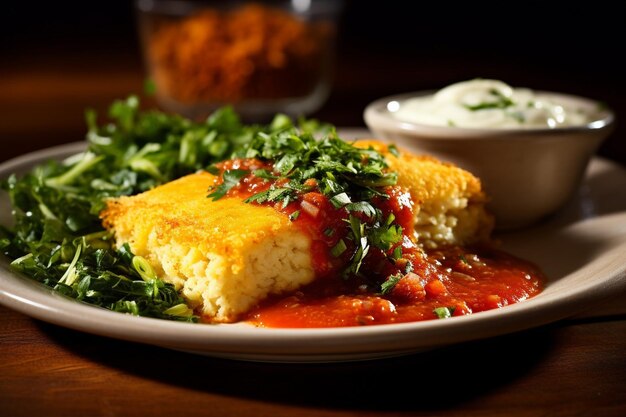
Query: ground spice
(251,52)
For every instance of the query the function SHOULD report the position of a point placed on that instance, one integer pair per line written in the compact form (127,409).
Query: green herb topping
(443,312)
(349,176)
(57,237)
(500,102)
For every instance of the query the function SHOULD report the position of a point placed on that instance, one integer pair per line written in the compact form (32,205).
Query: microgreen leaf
(500,102)
(391,282)
(230,179)
(340,200)
(443,312)
(338,249)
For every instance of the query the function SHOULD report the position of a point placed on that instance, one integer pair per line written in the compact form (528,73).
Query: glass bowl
(260,57)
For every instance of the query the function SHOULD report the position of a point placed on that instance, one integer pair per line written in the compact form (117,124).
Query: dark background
(57,58)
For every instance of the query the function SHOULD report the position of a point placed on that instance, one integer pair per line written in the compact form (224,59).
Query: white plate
(582,249)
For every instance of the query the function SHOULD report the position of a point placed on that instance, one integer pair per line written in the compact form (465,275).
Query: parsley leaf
(443,312)
(230,178)
(501,102)
(388,286)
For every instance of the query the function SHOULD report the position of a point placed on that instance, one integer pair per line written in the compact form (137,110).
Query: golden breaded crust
(225,255)
(426,177)
(449,201)
(183,213)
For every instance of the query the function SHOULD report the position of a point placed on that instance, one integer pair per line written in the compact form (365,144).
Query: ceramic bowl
(528,173)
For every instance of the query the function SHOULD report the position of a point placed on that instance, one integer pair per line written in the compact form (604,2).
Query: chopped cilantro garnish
(443,312)
(230,179)
(362,246)
(500,102)
(387,286)
(349,176)
(393,149)
(385,236)
(339,249)
(364,207)
(340,200)
(264,173)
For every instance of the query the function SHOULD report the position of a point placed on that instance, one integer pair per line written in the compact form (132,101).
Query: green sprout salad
(57,237)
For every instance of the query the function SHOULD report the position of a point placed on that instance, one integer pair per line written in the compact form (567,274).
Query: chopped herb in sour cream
(486,103)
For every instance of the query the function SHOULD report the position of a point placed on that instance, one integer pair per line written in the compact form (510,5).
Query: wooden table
(575,367)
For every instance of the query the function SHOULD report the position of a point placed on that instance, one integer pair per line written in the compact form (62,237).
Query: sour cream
(485,103)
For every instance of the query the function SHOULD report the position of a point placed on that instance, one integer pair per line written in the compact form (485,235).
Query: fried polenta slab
(225,256)
(449,201)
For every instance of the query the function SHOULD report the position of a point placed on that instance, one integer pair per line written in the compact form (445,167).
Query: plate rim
(246,342)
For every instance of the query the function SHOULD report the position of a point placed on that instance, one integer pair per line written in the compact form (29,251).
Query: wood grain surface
(575,367)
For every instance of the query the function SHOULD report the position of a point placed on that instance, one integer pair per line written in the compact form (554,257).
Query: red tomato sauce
(425,285)
(491,279)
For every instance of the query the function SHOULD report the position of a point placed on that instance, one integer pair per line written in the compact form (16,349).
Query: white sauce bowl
(528,174)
